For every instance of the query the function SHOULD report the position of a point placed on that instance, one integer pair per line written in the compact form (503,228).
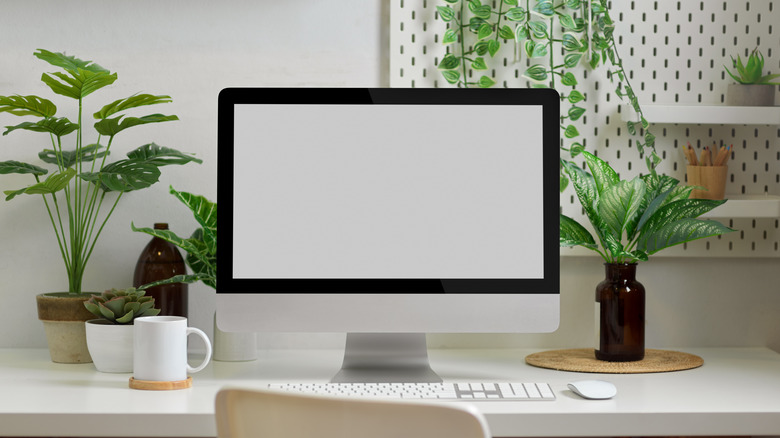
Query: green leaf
(574,234)
(479,64)
(515,14)
(521,33)
(69,158)
(56,126)
(619,204)
(586,190)
(482,11)
(79,83)
(575,96)
(538,28)
(493,46)
(571,131)
(130,102)
(540,50)
(205,213)
(486,82)
(161,156)
(604,175)
(449,62)
(544,8)
(7,167)
(69,63)
(27,106)
(485,30)
(506,32)
(446,13)
(570,42)
(114,126)
(52,184)
(451,76)
(510,2)
(670,212)
(567,21)
(681,231)
(570,60)
(536,72)
(568,79)
(481,47)
(450,36)
(124,176)
(576,112)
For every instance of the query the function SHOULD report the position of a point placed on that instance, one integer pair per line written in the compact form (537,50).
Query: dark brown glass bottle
(621,302)
(158,261)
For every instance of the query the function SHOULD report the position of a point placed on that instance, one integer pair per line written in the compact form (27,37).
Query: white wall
(192,49)
(189,50)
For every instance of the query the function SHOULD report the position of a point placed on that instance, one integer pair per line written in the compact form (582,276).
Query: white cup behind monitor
(160,349)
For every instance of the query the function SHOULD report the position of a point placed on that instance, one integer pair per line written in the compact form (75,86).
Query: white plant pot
(110,345)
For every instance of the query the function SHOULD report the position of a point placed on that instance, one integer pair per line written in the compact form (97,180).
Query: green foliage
(544,29)
(121,306)
(751,73)
(201,246)
(635,218)
(75,191)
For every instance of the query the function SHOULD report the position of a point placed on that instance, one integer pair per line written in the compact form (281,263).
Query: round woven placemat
(584,360)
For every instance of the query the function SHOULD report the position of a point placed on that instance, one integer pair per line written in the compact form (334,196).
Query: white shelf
(747,206)
(706,114)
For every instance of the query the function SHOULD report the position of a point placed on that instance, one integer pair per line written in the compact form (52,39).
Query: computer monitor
(387,214)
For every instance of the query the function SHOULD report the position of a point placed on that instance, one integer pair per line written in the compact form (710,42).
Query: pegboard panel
(674,52)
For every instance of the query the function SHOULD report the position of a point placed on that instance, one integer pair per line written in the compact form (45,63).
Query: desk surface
(736,392)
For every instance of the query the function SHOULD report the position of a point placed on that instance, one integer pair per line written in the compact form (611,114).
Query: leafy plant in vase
(753,88)
(83,190)
(201,248)
(110,336)
(632,220)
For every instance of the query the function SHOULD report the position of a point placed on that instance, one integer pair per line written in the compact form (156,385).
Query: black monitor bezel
(546,98)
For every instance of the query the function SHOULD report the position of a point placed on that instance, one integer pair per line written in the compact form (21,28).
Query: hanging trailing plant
(559,33)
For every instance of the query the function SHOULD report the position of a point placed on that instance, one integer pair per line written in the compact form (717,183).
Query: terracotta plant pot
(63,317)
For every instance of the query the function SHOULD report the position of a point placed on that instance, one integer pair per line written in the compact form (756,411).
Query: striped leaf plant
(633,219)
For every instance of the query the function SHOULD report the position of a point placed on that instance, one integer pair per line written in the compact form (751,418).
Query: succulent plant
(121,306)
(751,72)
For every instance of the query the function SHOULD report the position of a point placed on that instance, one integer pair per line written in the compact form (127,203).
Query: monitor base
(386,358)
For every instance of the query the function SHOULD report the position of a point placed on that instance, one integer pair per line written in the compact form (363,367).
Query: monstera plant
(83,189)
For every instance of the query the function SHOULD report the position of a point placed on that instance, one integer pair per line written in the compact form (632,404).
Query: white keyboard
(434,391)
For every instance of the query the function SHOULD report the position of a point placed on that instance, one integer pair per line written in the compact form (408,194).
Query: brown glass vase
(161,260)
(620,303)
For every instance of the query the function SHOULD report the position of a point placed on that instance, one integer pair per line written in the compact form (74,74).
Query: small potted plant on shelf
(632,220)
(753,88)
(110,336)
(83,189)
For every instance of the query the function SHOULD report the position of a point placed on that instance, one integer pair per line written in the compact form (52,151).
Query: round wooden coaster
(584,360)
(160,386)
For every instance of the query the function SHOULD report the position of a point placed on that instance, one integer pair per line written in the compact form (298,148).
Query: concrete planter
(63,317)
(750,95)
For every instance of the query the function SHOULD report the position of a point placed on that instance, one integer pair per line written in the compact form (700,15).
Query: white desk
(736,392)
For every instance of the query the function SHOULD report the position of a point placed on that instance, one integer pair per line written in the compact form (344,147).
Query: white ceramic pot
(110,345)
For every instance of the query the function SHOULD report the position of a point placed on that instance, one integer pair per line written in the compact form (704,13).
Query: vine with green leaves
(476,30)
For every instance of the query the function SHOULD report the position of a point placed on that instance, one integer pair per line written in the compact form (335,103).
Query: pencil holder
(711,179)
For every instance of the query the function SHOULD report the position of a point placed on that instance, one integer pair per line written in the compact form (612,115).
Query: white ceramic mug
(160,348)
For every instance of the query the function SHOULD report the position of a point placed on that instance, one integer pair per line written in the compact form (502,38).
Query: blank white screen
(387,191)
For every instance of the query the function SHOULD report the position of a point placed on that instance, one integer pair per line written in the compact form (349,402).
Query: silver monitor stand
(386,358)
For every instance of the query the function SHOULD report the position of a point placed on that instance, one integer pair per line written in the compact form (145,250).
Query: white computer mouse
(593,389)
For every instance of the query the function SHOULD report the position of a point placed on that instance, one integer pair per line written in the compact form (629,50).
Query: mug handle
(199,332)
